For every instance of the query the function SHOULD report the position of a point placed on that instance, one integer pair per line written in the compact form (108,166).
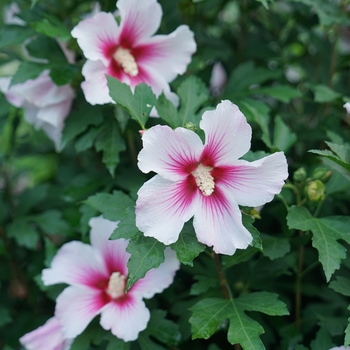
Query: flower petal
(170,153)
(78,264)
(47,337)
(95,85)
(156,280)
(113,252)
(139,20)
(76,306)
(125,319)
(169,54)
(256,183)
(227,134)
(97,36)
(163,207)
(218,223)
(11,96)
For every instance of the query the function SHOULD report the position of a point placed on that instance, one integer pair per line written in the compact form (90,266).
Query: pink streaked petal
(47,337)
(11,97)
(95,87)
(218,223)
(125,319)
(169,54)
(256,183)
(113,252)
(139,20)
(173,154)
(156,280)
(164,206)
(76,306)
(227,134)
(76,263)
(98,36)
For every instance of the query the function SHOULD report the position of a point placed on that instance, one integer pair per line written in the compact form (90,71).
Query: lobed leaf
(341,285)
(27,71)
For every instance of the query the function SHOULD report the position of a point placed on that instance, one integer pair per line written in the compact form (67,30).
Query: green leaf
(247,221)
(326,232)
(115,343)
(79,120)
(342,151)
(203,284)
(193,93)
(347,332)
(139,104)
(13,34)
(187,246)
(146,254)
(147,344)
(27,71)
(5,316)
(111,143)
(209,313)
(331,156)
(51,222)
(168,112)
(52,27)
(341,285)
(31,197)
(281,93)
(324,94)
(127,226)
(63,73)
(323,341)
(86,140)
(283,137)
(238,257)
(24,233)
(112,206)
(275,247)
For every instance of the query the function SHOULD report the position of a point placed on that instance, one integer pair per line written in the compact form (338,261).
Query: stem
(298,285)
(225,288)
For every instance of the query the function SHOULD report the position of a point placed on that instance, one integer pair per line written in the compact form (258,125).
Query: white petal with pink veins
(163,207)
(46,337)
(227,133)
(218,223)
(97,35)
(256,183)
(169,54)
(139,19)
(169,152)
(76,306)
(76,263)
(156,280)
(126,319)
(95,85)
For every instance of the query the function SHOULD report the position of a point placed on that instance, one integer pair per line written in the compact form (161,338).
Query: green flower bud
(300,175)
(190,126)
(321,174)
(315,190)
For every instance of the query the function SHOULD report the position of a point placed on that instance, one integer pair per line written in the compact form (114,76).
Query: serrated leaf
(341,285)
(187,246)
(14,34)
(193,93)
(112,206)
(275,247)
(283,137)
(324,94)
(326,232)
(86,140)
(168,112)
(24,233)
(52,27)
(347,332)
(27,71)
(323,341)
(238,257)
(51,222)
(281,93)
(127,226)
(247,221)
(342,151)
(139,104)
(111,143)
(331,156)
(146,254)
(203,284)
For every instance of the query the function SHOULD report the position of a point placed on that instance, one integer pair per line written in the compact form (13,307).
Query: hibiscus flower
(130,52)
(45,105)
(205,181)
(97,276)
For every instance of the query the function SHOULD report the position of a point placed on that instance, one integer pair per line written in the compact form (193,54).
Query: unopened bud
(315,190)
(190,126)
(321,174)
(300,175)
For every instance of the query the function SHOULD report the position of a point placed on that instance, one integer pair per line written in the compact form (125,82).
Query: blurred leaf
(168,112)
(27,71)
(139,104)
(13,34)
(203,284)
(62,73)
(50,251)
(111,143)
(5,316)
(115,343)
(347,332)
(23,232)
(324,94)
(341,285)
(52,27)
(86,140)
(323,341)
(209,313)
(146,343)
(187,246)
(326,232)
(46,48)
(239,256)
(146,254)
(193,93)
(31,197)
(275,247)
(51,222)
(281,93)
(283,137)
(112,206)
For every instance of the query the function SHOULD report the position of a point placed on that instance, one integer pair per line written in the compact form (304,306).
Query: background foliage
(287,65)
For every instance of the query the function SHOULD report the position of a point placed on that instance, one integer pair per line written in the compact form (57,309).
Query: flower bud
(299,175)
(315,190)
(321,174)
(190,126)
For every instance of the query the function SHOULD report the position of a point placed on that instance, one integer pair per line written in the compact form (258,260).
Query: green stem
(225,288)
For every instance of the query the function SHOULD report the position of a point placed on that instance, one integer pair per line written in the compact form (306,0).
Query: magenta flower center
(204,179)
(116,285)
(127,61)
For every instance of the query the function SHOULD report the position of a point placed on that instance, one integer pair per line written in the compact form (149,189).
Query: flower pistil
(116,285)
(127,61)
(204,179)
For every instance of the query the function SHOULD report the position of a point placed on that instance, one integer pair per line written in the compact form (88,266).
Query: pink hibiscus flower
(97,275)
(205,181)
(47,337)
(45,105)
(130,52)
